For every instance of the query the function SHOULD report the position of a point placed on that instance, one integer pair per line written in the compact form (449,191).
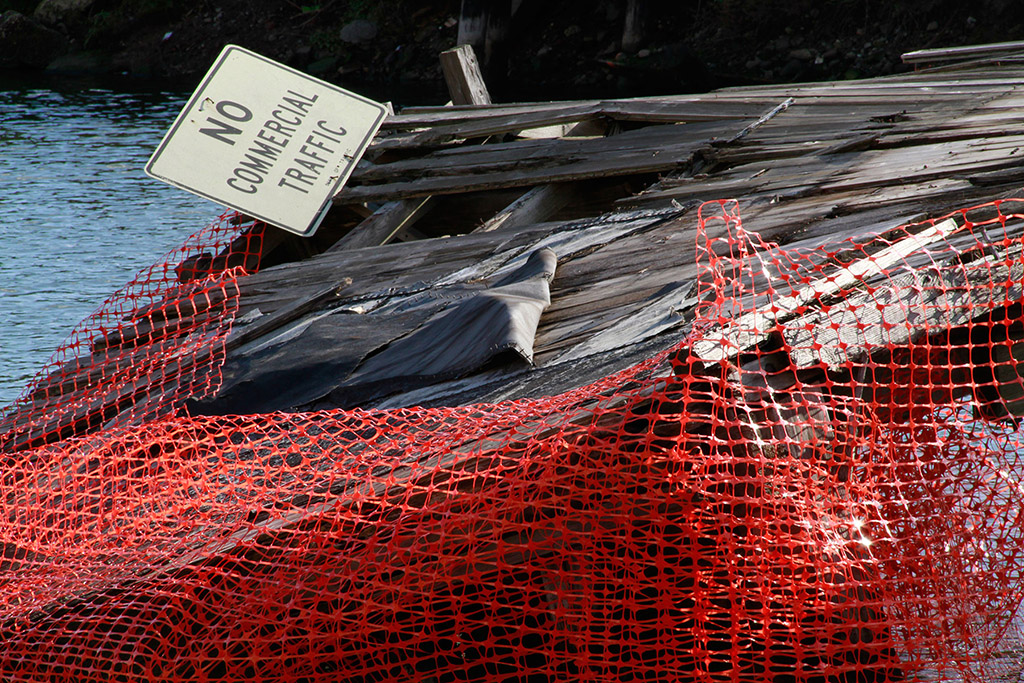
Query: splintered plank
(931,298)
(752,328)
(533,206)
(683,110)
(438,130)
(412,118)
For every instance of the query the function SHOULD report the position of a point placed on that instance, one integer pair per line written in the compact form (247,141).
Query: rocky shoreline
(570,50)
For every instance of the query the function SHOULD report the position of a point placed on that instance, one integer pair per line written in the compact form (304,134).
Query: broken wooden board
(752,329)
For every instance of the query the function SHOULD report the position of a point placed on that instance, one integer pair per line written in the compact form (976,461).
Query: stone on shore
(68,13)
(358,31)
(24,42)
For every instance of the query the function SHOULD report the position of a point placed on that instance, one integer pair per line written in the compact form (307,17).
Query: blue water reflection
(78,216)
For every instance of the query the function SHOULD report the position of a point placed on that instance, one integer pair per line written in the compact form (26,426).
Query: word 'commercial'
(306,164)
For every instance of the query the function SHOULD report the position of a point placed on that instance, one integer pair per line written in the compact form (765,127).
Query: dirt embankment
(558,50)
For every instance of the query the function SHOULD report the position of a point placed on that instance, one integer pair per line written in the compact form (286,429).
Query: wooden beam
(751,329)
(949,54)
(384,224)
(463,76)
(533,206)
(466,86)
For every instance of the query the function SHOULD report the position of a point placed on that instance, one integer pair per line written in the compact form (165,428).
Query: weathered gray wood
(600,167)
(654,148)
(449,134)
(1009,58)
(466,86)
(806,177)
(533,206)
(765,118)
(931,299)
(424,117)
(675,109)
(376,272)
(384,224)
(946,54)
(463,76)
(826,133)
(682,110)
(446,129)
(749,330)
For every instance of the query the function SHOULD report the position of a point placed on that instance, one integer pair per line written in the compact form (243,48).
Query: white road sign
(267,140)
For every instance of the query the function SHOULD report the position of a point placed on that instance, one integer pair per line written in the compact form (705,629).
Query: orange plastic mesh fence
(821,484)
(152,344)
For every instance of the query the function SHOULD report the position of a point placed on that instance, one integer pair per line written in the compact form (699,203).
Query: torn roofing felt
(448,332)
(462,338)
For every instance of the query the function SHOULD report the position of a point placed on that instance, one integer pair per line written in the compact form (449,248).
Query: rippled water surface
(78,216)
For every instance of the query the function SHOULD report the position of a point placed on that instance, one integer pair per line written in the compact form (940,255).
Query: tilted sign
(267,140)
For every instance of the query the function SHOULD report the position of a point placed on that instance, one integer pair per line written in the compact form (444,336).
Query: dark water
(78,216)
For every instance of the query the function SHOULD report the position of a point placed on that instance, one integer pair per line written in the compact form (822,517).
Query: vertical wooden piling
(484,24)
(473,23)
(636,21)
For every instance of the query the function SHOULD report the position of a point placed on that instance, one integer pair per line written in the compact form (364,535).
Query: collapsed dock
(528,405)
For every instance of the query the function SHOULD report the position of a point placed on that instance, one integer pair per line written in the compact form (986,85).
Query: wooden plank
(462,74)
(378,272)
(964,83)
(384,224)
(729,104)
(765,118)
(602,166)
(460,131)
(1001,60)
(654,148)
(752,328)
(533,206)
(933,298)
(444,128)
(905,163)
(424,117)
(946,54)
(466,86)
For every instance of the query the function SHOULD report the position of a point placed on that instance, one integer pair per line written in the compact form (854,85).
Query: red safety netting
(821,484)
(154,343)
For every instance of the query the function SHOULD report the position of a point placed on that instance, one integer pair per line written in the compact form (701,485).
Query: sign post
(267,140)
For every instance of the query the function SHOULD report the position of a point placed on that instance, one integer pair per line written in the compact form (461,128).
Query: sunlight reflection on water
(78,216)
